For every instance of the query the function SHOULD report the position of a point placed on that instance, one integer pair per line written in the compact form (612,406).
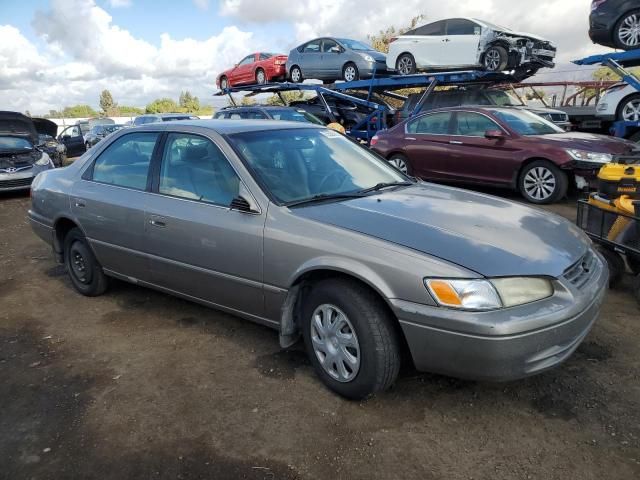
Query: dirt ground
(137,384)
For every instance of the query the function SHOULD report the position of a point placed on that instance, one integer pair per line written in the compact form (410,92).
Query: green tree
(127,110)
(162,105)
(247,101)
(107,104)
(78,111)
(287,96)
(382,40)
(188,103)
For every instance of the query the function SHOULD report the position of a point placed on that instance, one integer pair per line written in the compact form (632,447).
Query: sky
(56,53)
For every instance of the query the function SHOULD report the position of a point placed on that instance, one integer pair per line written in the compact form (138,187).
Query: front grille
(580,272)
(18,182)
(559,117)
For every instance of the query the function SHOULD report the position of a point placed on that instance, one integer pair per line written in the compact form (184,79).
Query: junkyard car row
(284,222)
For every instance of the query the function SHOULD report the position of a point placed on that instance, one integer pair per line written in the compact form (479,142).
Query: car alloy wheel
(350,73)
(492,59)
(629,31)
(296,75)
(224,84)
(540,183)
(631,111)
(335,343)
(400,164)
(405,65)
(260,77)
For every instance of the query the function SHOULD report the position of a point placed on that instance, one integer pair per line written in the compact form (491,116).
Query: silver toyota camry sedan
(296,227)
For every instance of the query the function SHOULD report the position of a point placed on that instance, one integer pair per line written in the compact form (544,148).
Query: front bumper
(367,69)
(21,179)
(507,344)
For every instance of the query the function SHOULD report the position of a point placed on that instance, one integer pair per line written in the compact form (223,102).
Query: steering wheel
(339,176)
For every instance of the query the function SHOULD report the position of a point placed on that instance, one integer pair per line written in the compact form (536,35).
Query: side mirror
(335,50)
(494,134)
(241,204)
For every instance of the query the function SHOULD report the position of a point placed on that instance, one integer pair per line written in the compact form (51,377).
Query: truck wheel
(84,269)
(350,338)
(495,59)
(541,182)
(615,264)
(625,35)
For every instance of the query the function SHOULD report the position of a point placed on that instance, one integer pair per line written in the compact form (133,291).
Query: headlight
(368,58)
(488,294)
(594,157)
(44,160)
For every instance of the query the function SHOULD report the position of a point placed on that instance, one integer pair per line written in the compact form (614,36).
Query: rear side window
(312,47)
(470,124)
(125,162)
(255,115)
(432,29)
(460,26)
(265,56)
(435,124)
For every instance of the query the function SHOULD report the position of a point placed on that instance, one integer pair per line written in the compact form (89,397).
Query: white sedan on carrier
(466,42)
(620,102)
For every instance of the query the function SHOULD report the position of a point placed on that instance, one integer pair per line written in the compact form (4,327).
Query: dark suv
(267,112)
(615,23)
(463,97)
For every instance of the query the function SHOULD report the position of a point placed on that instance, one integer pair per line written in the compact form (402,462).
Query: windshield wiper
(325,196)
(382,186)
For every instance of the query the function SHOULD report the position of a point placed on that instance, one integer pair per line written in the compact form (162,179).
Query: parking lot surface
(138,384)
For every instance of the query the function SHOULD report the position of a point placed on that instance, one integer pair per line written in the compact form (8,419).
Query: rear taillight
(393,39)
(374,140)
(595,4)
(280,62)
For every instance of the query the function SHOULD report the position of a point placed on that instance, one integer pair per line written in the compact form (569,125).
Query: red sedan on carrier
(497,146)
(258,68)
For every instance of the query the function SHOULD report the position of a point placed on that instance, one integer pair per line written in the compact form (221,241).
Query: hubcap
(631,111)
(629,31)
(349,74)
(540,183)
(223,84)
(335,343)
(492,59)
(260,76)
(79,268)
(295,75)
(405,65)
(399,164)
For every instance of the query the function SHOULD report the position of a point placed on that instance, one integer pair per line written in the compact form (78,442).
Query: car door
(426,144)
(427,44)
(73,140)
(474,158)
(462,42)
(243,73)
(309,59)
(199,246)
(109,204)
(330,65)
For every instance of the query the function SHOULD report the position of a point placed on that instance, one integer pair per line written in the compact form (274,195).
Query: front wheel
(495,59)
(627,31)
(615,264)
(84,269)
(401,163)
(224,83)
(350,338)
(541,182)
(261,78)
(350,72)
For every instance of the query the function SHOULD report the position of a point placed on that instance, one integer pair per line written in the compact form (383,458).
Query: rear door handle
(157,222)
(79,203)
(455,142)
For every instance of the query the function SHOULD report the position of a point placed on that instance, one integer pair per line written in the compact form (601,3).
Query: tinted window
(431,29)
(472,124)
(327,45)
(176,117)
(219,115)
(460,26)
(265,56)
(256,115)
(312,47)
(126,161)
(247,60)
(436,124)
(193,167)
(527,123)
(292,115)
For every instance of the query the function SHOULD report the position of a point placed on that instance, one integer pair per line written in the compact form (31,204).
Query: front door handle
(455,142)
(157,223)
(79,203)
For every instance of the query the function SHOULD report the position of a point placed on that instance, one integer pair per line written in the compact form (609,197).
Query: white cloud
(120,3)
(201,4)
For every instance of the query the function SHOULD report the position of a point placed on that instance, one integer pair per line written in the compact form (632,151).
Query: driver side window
(434,124)
(246,60)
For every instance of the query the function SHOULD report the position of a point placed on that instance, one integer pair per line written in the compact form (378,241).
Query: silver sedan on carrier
(296,227)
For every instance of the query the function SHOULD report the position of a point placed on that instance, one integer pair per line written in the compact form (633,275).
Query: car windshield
(503,99)
(493,26)
(112,128)
(294,165)
(295,116)
(527,123)
(355,44)
(14,143)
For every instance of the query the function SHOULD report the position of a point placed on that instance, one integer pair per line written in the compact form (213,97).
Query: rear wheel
(350,338)
(495,59)
(350,72)
(224,83)
(260,77)
(401,163)
(84,269)
(629,109)
(626,34)
(615,264)
(634,263)
(296,74)
(406,64)
(541,182)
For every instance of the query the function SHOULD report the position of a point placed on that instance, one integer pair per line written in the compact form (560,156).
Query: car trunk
(45,127)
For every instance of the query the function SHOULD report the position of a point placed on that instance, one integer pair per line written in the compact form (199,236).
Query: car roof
(225,127)
(266,107)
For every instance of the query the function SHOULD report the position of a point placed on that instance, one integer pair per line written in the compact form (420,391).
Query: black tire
(372,323)
(616,31)
(397,160)
(350,69)
(636,288)
(625,101)
(560,182)
(295,74)
(224,83)
(87,146)
(406,64)
(634,263)
(261,79)
(495,59)
(84,270)
(616,266)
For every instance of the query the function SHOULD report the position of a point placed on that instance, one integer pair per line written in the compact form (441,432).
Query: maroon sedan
(497,146)
(259,67)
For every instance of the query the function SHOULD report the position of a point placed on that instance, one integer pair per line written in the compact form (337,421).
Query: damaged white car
(466,42)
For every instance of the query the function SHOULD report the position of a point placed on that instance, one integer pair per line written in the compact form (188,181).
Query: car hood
(46,127)
(587,141)
(18,125)
(485,234)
